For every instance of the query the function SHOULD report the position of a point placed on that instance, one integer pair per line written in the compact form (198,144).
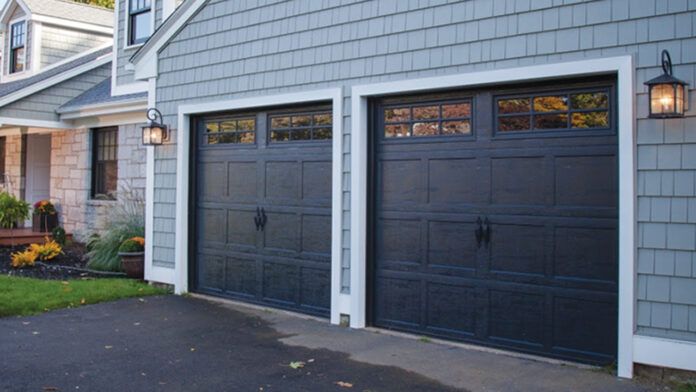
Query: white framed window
(17,47)
(139,21)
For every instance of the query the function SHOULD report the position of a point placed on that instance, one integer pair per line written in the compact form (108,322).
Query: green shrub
(12,210)
(126,220)
(59,235)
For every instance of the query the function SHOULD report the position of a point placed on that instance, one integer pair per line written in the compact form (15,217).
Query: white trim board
(24,122)
(663,352)
(335,95)
(622,66)
(125,106)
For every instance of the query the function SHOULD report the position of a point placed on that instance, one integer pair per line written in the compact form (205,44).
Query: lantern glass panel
(146,136)
(662,99)
(679,104)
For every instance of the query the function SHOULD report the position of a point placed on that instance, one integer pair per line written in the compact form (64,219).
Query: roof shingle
(71,10)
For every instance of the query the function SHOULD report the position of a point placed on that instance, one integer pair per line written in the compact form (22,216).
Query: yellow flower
(139,240)
(23,259)
(47,251)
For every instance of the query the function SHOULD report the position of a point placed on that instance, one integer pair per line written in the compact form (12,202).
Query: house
(481,171)
(70,114)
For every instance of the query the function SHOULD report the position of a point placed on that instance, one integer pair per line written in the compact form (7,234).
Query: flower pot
(133,264)
(44,223)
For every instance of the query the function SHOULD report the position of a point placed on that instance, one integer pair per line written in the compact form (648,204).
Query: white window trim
(8,50)
(335,95)
(126,30)
(622,66)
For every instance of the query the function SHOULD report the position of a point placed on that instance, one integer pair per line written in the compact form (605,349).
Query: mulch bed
(69,265)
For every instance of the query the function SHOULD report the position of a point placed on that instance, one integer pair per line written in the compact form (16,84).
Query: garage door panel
(586,253)
(398,241)
(241,181)
(517,317)
(549,197)
(585,326)
(315,187)
(283,260)
(211,226)
(399,301)
(401,182)
(241,277)
(518,249)
(282,232)
(210,186)
(280,282)
(211,272)
(452,309)
(451,181)
(282,181)
(316,234)
(452,245)
(315,290)
(572,190)
(519,180)
(241,230)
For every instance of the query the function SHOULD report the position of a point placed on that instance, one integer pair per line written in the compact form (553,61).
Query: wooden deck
(23,237)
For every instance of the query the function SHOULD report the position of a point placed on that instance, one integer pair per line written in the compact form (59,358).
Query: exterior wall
(59,43)
(71,174)
(43,105)
(231,50)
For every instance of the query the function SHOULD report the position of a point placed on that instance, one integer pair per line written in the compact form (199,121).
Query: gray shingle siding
(59,43)
(234,49)
(43,105)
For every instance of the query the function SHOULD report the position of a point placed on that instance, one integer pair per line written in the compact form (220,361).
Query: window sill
(133,47)
(101,202)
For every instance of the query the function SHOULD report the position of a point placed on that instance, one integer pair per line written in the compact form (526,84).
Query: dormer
(39,34)
(136,21)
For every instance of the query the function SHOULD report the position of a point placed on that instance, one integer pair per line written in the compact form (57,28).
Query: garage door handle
(257,219)
(479,232)
(487,232)
(264,219)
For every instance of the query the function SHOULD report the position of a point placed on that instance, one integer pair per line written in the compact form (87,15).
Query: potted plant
(12,211)
(45,217)
(132,253)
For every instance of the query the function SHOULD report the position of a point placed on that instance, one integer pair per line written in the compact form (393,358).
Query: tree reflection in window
(450,118)
(574,110)
(301,127)
(231,131)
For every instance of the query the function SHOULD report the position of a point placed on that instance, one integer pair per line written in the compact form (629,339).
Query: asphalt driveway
(188,344)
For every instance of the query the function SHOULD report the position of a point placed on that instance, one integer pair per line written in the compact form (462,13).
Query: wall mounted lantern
(154,133)
(668,95)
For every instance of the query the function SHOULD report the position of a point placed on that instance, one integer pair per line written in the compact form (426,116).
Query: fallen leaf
(297,365)
(50,388)
(344,384)
(83,301)
(141,300)
(193,349)
(35,333)
(310,360)
(143,374)
(65,282)
(136,324)
(108,347)
(26,322)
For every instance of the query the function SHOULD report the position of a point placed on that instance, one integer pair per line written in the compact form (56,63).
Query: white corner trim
(24,122)
(44,84)
(335,95)
(36,37)
(168,7)
(621,65)
(676,354)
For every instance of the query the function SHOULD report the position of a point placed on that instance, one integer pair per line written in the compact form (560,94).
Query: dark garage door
(495,218)
(263,208)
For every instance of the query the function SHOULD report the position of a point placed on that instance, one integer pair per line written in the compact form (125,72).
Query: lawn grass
(26,296)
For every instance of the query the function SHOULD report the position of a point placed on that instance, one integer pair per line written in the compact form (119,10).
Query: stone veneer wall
(14,147)
(71,178)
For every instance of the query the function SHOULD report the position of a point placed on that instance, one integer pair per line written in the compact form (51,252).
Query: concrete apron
(472,368)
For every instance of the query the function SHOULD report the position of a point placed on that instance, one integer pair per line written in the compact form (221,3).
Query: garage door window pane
(440,119)
(301,127)
(231,131)
(557,112)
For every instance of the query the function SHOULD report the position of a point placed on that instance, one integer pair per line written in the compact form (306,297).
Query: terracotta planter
(133,264)
(44,223)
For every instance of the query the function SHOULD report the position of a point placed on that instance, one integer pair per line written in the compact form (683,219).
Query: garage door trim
(621,66)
